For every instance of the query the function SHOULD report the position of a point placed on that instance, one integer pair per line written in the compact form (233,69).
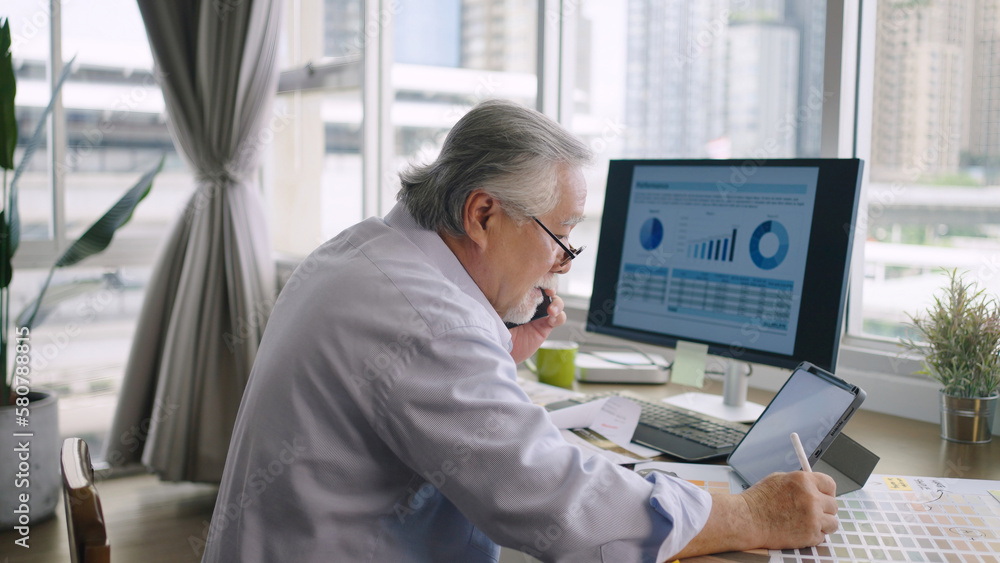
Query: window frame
(878,364)
(41,254)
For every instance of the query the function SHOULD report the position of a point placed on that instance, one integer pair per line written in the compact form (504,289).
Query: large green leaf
(97,237)
(10,229)
(36,137)
(6,268)
(8,88)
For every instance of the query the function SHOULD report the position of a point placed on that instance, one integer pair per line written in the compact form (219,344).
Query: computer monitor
(751,257)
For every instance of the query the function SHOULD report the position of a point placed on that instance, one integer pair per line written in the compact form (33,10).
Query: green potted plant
(29,423)
(958,338)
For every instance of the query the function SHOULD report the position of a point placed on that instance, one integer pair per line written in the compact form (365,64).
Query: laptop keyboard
(677,431)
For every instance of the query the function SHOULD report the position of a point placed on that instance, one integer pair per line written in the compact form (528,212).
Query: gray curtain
(213,285)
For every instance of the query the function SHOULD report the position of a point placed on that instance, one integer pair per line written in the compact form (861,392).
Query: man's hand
(782,511)
(794,509)
(528,337)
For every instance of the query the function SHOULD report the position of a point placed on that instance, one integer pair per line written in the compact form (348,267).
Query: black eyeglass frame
(571,252)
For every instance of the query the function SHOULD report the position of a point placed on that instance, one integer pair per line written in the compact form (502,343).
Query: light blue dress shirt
(382,422)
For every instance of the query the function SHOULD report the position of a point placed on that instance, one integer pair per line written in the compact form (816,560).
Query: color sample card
(914,519)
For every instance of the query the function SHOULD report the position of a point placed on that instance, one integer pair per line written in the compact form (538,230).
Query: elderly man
(383,421)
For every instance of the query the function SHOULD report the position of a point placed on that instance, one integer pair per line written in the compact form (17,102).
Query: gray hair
(509,151)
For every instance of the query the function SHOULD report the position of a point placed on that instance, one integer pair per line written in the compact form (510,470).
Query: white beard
(523,311)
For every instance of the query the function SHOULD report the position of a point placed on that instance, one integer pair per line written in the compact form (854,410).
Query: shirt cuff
(685,505)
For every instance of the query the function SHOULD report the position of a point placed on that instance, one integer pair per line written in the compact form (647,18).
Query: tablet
(814,403)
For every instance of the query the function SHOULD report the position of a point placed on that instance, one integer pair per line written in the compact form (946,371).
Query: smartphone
(541,312)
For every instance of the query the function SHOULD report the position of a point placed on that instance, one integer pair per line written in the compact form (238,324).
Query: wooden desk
(906,447)
(152,521)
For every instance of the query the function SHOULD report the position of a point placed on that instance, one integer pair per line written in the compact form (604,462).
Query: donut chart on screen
(769,262)
(651,233)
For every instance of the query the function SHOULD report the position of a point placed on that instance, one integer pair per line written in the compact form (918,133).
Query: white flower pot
(29,462)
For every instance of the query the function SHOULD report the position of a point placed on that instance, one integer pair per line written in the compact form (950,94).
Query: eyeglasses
(569,252)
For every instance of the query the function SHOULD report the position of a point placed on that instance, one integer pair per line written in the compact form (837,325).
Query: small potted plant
(958,338)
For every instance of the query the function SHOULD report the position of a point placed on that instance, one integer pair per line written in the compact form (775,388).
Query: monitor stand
(732,405)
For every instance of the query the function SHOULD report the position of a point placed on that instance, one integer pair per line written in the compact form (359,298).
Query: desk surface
(152,521)
(906,447)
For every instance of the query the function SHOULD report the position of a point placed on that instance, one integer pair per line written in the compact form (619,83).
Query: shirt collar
(400,219)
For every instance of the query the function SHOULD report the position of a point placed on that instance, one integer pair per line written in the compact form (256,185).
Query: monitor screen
(750,257)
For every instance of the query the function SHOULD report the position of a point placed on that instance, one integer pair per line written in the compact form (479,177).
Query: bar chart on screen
(893,518)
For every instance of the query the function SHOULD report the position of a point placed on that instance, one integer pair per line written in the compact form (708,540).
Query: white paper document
(614,418)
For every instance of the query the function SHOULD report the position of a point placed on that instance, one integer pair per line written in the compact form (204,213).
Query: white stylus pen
(797,445)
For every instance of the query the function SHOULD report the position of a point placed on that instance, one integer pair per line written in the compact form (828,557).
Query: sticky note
(689,364)
(897,484)
(996,494)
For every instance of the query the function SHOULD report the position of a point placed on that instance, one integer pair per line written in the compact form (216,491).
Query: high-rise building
(983,68)
(920,55)
(763,80)
(500,35)
(714,78)
(342,22)
(675,88)
(809,17)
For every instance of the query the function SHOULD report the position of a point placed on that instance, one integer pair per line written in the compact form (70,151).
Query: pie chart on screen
(651,234)
(769,245)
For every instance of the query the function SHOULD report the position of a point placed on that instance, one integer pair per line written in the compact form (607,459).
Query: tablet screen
(809,404)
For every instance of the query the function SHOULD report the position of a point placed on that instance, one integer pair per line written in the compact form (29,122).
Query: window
(368,86)
(110,130)
(651,78)
(654,79)
(422,70)
(934,200)
(316,161)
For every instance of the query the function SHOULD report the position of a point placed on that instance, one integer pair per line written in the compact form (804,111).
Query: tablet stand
(848,462)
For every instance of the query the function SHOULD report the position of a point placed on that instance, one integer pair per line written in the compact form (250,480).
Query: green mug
(555,363)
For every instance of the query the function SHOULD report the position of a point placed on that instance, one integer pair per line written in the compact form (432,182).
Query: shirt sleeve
(453,412)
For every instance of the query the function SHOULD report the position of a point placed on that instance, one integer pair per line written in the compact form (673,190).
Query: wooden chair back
(88,538)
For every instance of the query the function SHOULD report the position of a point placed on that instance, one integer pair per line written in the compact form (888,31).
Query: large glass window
(634,78)
(449,55)
(111,130)
(316,185)
(934,197)
(705,79)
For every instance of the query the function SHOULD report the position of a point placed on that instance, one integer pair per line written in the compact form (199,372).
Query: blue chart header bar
(785,285)
(723,187)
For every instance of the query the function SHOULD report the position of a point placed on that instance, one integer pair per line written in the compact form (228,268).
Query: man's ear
(480,216)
